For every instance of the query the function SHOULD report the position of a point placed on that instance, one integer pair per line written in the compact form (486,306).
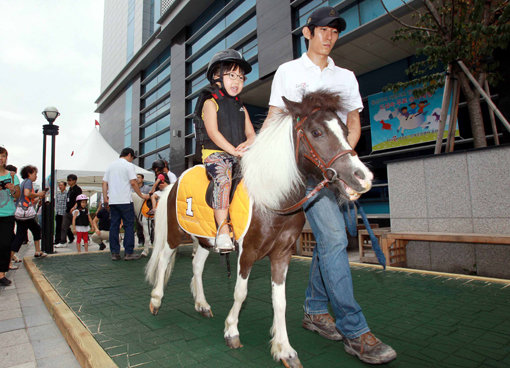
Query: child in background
(164,182)
(81,222)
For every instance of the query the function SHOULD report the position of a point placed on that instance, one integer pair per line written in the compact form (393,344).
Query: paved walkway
(29,337)
(431,320)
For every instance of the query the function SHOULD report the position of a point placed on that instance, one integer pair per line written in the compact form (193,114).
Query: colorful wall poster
(400,119)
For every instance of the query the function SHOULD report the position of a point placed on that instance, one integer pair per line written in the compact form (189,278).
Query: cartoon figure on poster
(401,119)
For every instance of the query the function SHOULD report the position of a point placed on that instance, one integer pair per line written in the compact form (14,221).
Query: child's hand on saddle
(98,232)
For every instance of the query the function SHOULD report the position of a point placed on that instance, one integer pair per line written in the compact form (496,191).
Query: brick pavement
(28,335)
(430,320)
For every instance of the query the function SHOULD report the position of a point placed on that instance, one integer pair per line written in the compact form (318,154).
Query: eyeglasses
(234,76)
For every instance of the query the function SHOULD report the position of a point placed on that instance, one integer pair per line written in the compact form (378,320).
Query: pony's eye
(316,133)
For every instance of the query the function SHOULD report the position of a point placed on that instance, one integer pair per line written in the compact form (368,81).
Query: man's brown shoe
(323,324)
(132,257)
(369,349)
(115,256)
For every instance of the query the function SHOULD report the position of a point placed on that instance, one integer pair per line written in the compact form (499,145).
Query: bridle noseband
(317,160)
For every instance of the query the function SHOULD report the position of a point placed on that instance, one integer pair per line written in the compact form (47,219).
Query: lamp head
(51,113)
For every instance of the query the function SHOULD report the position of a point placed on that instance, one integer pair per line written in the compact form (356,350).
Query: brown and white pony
(307,142)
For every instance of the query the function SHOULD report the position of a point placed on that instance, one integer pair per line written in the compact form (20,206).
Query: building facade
(155,55)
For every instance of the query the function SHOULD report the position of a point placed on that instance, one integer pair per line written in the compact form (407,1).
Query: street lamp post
(48,209)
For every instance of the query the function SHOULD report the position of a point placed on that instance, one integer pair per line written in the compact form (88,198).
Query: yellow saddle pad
(194,214)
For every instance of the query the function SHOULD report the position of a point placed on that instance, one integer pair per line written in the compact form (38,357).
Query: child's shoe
(224,243)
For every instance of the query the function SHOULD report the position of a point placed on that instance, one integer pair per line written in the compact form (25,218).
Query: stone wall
(462,192)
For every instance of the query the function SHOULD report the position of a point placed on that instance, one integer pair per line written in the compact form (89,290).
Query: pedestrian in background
(73,192)
(101,225)
(60,212)
(9,191)
(29,174)
(118,180)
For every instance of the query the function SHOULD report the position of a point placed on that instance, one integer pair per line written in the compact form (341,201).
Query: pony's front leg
(231,332)
(197,287)
(241,290)
(280,345)
(165,265)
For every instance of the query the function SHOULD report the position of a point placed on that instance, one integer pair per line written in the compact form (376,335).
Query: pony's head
(322,149)
(284,156)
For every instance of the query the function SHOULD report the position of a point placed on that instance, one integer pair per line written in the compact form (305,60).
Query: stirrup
(216,248)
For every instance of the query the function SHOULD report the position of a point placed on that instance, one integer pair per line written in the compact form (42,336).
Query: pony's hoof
(154,310)
(292,362)
(207,313)
(233,342)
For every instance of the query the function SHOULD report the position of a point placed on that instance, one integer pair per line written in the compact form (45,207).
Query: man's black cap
(326,16)
(126,151)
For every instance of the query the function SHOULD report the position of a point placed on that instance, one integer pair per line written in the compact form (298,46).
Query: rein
(317,160)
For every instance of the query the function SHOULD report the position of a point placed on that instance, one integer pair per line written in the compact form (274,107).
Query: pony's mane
(269,167)
(321,99)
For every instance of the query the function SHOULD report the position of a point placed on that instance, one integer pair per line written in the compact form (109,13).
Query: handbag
(24,209)
(23,212)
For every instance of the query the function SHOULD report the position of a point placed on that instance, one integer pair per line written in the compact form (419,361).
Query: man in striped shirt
(60,211)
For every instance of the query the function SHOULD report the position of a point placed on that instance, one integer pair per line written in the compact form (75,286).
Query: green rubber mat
(431,321)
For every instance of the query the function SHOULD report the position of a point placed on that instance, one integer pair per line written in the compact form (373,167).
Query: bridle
(317,160)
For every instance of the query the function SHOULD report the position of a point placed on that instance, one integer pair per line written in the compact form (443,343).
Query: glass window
(239,10)
(163,154)
(131,30)
(156,63)
(241,31)
(351,16)
(156,142)
(206,56)
(158,108)
(303,12)
(165,88)
(207,15)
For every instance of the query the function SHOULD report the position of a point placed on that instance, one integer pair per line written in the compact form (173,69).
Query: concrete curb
(425,272)
(86,349)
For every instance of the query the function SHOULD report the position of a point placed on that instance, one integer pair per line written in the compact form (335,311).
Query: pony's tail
(160,236)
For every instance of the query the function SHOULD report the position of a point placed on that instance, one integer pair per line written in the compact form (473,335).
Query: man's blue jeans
(125,212)
(330,275)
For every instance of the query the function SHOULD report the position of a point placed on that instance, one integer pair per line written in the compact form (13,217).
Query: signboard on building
(400,119)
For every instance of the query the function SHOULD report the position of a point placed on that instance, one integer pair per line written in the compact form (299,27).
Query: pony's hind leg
(280,345)
(146,235)
(165,265)
(197,287)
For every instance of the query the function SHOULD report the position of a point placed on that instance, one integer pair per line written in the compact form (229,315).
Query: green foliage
(468,30)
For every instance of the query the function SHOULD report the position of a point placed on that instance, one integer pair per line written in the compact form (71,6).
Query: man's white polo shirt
(296,77)
(118,175)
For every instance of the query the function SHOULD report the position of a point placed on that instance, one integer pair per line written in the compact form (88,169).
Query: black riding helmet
(158,164)
(227,56)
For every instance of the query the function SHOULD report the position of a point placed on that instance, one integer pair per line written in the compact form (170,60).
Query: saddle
(194,212)
(146,207)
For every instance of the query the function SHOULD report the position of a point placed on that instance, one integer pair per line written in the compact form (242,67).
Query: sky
(50,55)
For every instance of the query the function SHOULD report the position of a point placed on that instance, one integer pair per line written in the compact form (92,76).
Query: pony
(137,205)
(306,143)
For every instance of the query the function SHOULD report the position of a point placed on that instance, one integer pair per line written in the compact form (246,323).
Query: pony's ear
(294,108)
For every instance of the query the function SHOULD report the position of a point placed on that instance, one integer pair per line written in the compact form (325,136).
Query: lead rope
(350,221)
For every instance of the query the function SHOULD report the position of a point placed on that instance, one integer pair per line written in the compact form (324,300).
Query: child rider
(229,132)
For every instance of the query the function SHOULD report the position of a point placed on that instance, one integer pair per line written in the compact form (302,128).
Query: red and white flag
(97,123)
(72,153)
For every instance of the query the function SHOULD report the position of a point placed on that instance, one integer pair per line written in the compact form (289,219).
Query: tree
(453,32)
